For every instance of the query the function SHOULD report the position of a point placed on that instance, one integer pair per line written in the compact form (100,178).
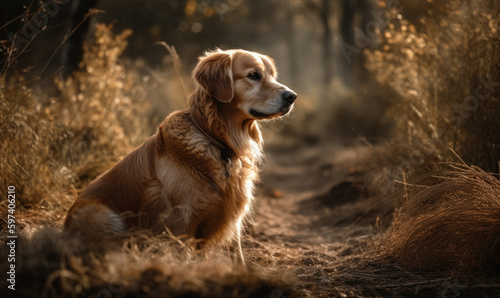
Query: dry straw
(453,225)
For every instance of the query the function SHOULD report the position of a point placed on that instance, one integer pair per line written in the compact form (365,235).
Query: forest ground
(302,229)
(314,233)
(316,226)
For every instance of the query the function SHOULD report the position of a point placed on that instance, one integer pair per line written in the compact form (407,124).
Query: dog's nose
(289,96)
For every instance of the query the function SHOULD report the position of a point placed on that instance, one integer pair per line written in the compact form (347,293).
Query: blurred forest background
(354,62)
(416,84)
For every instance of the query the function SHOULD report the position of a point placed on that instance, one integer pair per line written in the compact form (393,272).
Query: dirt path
(300,230)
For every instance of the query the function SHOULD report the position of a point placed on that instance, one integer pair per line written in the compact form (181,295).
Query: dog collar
(226,152)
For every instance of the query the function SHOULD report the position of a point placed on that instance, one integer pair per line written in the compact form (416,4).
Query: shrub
(49,145)
(445,75)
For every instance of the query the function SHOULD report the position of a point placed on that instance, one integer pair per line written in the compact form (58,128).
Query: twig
(85,17)
(406,186)
(177,66)
(458,156)
(10,58)
(485,286)
(408,284)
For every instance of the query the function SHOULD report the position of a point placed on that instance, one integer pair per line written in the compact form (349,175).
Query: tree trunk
(291,45)
(327,44)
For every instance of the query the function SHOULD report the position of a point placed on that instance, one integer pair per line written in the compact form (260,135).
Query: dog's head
(246,81)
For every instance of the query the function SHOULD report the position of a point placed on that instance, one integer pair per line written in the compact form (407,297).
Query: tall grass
(51,145)
(437,68)
(443,71)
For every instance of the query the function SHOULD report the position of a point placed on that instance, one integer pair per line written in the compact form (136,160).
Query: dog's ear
(214,74)
(270,65)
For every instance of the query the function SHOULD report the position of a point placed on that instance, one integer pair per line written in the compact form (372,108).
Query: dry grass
(438,77)
(453,225)
(136,265)
(446,221)
(437,68)
(50,145)
(437,71)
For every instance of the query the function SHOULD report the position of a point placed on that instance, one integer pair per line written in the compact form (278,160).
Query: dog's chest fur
(198,198)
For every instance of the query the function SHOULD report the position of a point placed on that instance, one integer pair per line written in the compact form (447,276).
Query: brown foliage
(443,71)
(52,143)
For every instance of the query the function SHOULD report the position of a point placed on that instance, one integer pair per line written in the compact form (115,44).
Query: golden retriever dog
(195,176)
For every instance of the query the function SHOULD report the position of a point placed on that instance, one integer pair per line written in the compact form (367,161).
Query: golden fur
(177,178)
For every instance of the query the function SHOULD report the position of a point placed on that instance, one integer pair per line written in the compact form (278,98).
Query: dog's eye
(255,76)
